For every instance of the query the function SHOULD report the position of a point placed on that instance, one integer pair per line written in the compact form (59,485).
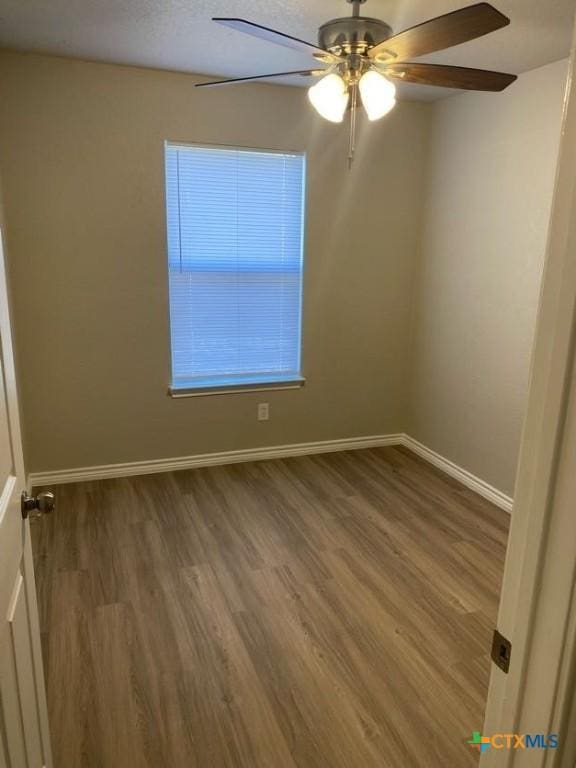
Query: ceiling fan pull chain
(353,105)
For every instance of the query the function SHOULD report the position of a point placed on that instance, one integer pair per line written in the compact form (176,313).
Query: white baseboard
(83,474)
(466,478)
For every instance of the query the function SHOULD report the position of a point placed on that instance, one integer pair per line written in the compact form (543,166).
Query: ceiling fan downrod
(352,34)
(356,6)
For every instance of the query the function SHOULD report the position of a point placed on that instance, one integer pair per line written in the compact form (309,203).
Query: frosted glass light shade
(378,94)
(329,97)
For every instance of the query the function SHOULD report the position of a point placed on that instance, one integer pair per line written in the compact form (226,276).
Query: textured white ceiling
(179,35)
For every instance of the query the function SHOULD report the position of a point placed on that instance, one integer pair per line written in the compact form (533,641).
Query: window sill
(231,389)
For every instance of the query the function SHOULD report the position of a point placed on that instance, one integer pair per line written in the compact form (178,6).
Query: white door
(24,737)
(538,603)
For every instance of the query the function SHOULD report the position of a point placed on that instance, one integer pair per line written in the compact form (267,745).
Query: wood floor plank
(328,611)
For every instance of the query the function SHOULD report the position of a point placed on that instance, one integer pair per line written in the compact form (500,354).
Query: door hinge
(501,651)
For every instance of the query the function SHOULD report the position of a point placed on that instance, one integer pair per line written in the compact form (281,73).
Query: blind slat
(234,231)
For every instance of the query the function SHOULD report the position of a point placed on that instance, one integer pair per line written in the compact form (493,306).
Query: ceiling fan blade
(232,81)
(440,33)
(271,35)
(450,77)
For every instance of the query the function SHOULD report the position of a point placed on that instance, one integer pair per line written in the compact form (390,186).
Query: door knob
(35,506)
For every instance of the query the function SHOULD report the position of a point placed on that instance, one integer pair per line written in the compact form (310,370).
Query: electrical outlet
(263,412)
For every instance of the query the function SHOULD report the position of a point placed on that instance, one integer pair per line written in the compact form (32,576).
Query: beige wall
(81,154)
(489,192)
(437,345)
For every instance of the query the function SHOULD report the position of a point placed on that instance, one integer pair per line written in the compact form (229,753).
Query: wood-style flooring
(332,611)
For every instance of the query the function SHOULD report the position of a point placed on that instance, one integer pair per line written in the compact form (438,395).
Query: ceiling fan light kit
(330,97)
(378,94)
(362,55)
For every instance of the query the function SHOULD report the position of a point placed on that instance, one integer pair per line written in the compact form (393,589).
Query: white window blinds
(235,236)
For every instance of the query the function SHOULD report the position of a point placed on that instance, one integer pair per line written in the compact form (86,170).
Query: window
(235,241)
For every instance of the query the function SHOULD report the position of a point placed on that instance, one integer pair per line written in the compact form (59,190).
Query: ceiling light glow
(329,97)
(378,94)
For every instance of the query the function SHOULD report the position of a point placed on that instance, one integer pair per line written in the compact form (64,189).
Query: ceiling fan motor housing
(352,34)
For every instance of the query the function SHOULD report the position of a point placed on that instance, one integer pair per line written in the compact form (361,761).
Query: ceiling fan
(361,54)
